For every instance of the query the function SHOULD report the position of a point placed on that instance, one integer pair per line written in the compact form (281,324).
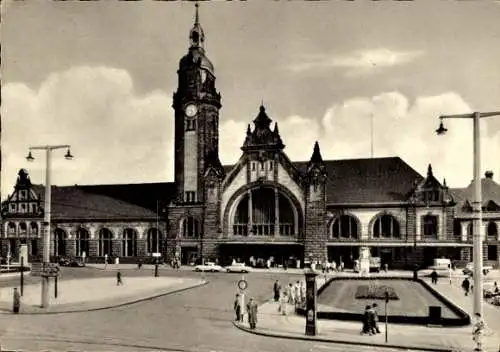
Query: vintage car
(209,266)
(237,268)
(469,269)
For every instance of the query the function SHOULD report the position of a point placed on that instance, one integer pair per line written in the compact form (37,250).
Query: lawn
(414,299)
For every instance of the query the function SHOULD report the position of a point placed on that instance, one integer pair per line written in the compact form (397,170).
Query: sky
(100,77)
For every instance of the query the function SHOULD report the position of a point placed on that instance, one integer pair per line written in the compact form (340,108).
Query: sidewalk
(272,323)
(95,294)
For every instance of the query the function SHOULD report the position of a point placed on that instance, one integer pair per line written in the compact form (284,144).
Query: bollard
(16,301)
(156,270)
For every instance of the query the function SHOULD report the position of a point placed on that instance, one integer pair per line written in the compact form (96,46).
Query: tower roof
(262,137)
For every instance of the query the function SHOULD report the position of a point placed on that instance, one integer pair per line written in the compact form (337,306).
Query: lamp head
(30,157)
(68,155)
(441,130)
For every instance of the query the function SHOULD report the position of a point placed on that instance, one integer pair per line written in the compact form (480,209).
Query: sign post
(22,276)
(242,285)
(311,312)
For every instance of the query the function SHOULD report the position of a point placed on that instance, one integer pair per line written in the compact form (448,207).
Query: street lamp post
(47,211)
(477,241)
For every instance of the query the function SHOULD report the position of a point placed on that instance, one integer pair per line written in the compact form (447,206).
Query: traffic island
(95,294)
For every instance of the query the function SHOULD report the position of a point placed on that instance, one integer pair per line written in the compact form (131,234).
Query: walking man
(119,281)
(277,290)
(466,286)
(252,313)
(375,328)
(237,307)
(434,277)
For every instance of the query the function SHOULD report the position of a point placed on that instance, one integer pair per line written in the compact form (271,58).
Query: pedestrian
(302,292)
(277,290)
(237,307)
(366,322)
(291,293)
(375,328)
(252,313)
(496,289)
(139,264)
(119,281)
(17,301)
(477,332)
(434,277)
(105,261)
(282,303)
(466,286)
(296,289)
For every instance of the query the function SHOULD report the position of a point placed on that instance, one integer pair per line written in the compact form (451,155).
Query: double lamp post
(477,240)
(47,212)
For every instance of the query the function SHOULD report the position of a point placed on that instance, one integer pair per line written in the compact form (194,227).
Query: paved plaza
(273,323)
(95,293)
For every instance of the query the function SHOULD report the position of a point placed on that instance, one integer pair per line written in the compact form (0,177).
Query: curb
(345,342)
(149,298)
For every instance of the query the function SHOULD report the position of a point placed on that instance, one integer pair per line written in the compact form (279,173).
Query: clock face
(191,110)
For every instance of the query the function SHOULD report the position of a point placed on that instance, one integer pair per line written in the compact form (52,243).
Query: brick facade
(315,223)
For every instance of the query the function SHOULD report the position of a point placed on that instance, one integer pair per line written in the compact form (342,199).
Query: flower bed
(375,292)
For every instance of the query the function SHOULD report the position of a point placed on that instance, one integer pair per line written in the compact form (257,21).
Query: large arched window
(11,229)
(105,241)
(492,230)
(82,238)
(263,212)
(386,226)
(345,226)
(430,226)
(190,228)
(154,241)
(33,229)
(129,243)
(59,242)
(23,229)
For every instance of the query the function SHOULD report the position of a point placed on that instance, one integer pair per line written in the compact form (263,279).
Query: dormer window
(12,207)
(22,195)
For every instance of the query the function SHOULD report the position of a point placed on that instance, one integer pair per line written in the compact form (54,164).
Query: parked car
(237,268)
(469,269)
(209,266)
(64,262)
(76,263)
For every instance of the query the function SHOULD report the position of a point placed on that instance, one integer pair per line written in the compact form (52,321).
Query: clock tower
(196,103)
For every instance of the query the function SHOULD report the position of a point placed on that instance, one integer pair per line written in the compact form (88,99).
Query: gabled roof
(109,202)
(362,181)
(490,192)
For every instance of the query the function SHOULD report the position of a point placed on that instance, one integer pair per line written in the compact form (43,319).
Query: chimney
(489,174)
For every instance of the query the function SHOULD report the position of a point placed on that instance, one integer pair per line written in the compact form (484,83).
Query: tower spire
(196,16)
(196,35)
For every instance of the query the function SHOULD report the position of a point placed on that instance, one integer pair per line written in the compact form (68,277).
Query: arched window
(82,238)
(153,241)
(129,243)
(33,229)
(492,230)
(190,228)
(105,241)
(345,226)
(430,226)
(23,229)
(59,242)
(11,229)
(386,226)
(263,212)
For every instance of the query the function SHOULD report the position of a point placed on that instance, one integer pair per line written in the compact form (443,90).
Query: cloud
(118,136)
(115,135)
(400,128)
(358,62)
